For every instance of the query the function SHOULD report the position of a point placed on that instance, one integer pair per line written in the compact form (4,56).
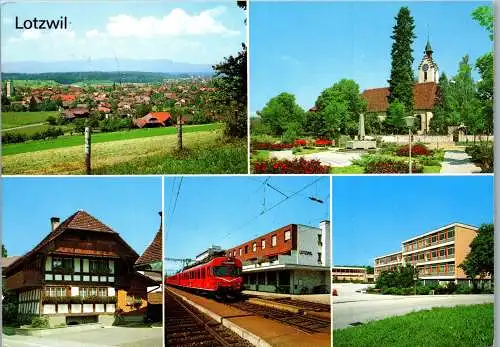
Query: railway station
(294,259)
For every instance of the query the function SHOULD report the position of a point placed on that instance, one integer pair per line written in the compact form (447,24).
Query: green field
(78,140)
(17,119)
(457,326)
(133,152)
(34,83)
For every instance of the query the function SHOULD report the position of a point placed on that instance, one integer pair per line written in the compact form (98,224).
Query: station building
(350,273)
(81,272)
(437,254)
(294,259)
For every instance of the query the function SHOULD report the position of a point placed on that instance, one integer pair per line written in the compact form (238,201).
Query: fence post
(179,132)
(88,169)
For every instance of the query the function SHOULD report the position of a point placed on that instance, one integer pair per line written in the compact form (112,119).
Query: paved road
(368,307)
(104,337)
(457,161)
(330,158)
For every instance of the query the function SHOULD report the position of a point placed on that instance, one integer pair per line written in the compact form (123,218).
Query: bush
(451,287)
(482,155)
(271,146)
(323,143)
(416,150)
(40,322)
(300,142)
(386,164)
(462,289)
(14,137)
(341,141)
(423,290)
(295,166)
(52,120)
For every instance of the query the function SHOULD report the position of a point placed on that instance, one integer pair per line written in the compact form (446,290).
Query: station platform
(318,298)
(258,330)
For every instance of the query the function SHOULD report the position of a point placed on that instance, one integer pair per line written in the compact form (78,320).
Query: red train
(220,276)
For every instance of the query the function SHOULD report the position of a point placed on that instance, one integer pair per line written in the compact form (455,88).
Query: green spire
(428,48)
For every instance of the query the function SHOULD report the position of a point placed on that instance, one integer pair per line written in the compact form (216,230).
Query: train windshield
(227,271)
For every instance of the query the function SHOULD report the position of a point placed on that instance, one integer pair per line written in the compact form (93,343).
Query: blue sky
(129,206)
(225,211)
(372,215)
(303,48)
(193,32)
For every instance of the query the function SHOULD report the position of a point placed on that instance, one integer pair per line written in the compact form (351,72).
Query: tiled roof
(79,220)
(424,97)
(154,251)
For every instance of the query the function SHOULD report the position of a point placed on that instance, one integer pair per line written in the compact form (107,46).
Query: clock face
(425,67)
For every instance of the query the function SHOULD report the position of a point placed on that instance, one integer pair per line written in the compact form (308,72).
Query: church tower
(428,70)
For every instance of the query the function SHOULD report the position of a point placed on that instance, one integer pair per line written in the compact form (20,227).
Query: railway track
(303,323)
(186,327)
(306,305)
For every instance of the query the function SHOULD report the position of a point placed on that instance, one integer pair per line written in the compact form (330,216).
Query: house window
(241,251)
(55,291)
(287,235)
(273,240)
(62,265)
(255,247)
(320,243)
(99,266)
(246,249)
(263,244)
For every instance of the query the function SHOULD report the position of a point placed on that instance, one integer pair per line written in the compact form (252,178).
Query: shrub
(416,150)
(386,164)
(441,290)
(295,166)
(40,322)
(300,142)
(462,289)
(451,287)
(52,120)
(271,146)
(482,155)
(14,137)
(423,290)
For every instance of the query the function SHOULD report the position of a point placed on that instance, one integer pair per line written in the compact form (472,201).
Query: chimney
(161,220)
(54,223)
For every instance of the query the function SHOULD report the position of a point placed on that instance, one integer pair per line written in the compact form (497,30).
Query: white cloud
(176,23)
(31,34)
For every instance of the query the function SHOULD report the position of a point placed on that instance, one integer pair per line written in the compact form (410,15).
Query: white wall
(307,242)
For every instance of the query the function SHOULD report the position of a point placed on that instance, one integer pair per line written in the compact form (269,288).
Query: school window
(451,233)
(319,257)
(255,247)
(320,243)
(441,252)
(442,236)
(451,250)
(287,235)
(273,240)
(263,244)
(434,238)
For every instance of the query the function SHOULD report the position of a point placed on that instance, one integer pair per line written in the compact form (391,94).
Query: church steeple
(428,48)
(428,69)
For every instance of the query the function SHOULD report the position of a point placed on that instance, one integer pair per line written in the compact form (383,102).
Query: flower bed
(271,146)
(295,166)
(300,142)
(323,143)
(416,150)
(386,164)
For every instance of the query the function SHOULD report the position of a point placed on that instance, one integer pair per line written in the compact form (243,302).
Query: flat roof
(348,267)
(389,254)
(442,228)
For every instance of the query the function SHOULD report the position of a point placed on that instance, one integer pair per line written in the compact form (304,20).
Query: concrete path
(360,310)
(330,158)
(458,162)
(318,298)
(103,337)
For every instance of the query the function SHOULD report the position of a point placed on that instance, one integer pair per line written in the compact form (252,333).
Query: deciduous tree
(480,261)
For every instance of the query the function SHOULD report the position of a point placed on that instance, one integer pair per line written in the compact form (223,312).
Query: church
(424,93)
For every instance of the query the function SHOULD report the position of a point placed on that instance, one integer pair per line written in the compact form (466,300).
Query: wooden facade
(81,267)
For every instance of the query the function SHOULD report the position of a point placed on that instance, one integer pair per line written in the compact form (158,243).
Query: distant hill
(92,77)
(105,65)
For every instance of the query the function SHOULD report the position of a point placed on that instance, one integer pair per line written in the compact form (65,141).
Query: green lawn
(216,158)
(347,170)
(432,169)
(16,119)
(260,155)
(457,326)
(78,140)
(8,330)
(37,128)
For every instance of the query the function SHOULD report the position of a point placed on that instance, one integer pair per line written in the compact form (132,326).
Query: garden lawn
(432,169)
(78,140)
(17,119)
(261,155)
(105,155)
(457,326)
(347,170)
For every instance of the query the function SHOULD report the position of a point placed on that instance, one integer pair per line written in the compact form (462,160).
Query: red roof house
(154,119)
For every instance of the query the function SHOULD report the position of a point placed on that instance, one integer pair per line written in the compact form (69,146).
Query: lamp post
(409,123)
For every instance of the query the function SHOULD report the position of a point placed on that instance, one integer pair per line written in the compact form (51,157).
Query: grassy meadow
(17,119)
(456,326)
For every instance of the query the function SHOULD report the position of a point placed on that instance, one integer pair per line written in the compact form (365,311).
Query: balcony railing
(426,245)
